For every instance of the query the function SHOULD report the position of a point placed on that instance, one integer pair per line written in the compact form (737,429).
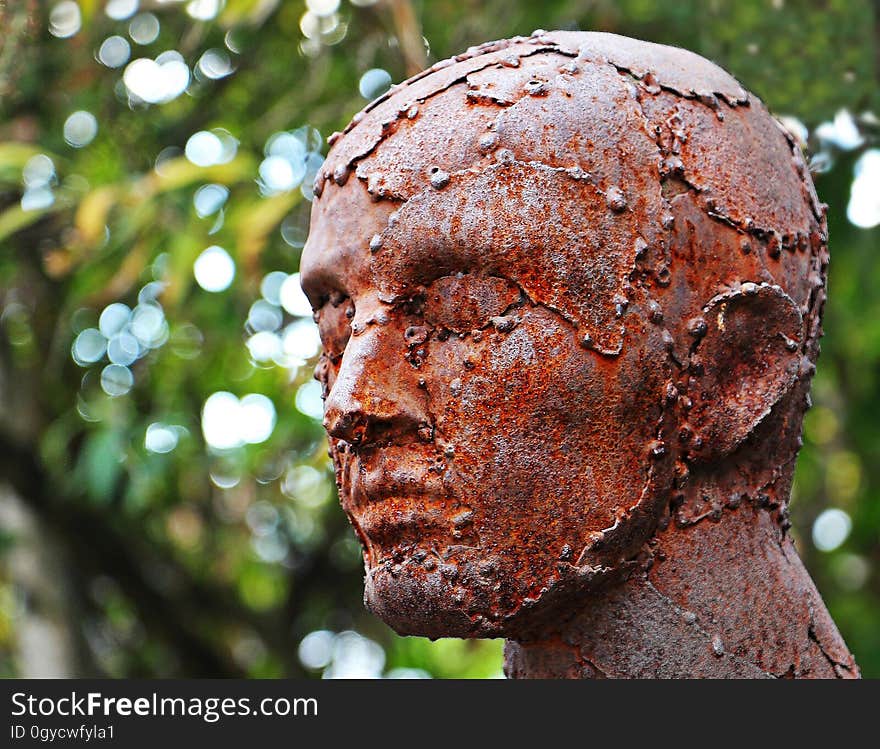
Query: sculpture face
(481,447)
(534,318)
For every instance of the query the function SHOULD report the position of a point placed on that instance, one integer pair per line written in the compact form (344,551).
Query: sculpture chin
(422,603)
(475,597)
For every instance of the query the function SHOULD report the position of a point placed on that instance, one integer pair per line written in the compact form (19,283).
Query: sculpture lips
(382,473)
(397,494)
(398,521)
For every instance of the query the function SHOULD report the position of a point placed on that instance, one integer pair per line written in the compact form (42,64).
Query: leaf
(180,172)
(101,464)
(91,215)
(123,279)
(13,157)
(15,219)
(261,218)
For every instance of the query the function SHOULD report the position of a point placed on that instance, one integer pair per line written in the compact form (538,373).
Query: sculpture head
(562,283)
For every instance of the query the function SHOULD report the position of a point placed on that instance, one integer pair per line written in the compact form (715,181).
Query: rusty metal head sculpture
(569,289)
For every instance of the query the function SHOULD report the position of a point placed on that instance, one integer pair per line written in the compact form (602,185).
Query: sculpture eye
(465,302)
(334,326)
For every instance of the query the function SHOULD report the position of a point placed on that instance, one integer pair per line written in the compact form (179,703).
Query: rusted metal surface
(570,289)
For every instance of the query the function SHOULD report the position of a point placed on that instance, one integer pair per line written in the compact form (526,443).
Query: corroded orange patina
(569,288)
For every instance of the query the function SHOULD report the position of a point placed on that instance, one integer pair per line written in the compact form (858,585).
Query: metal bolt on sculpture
(569,289)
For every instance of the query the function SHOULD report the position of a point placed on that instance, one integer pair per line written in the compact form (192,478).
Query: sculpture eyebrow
(408,278)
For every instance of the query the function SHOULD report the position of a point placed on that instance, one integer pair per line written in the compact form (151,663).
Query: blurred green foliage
(196,561)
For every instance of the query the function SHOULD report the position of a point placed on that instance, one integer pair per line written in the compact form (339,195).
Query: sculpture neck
(721,598)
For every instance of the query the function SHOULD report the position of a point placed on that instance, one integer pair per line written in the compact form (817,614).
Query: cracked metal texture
(570,288)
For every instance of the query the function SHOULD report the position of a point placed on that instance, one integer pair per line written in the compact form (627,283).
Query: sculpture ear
(748,359)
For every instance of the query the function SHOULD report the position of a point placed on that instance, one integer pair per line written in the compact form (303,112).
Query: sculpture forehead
(676,69)
(557,161)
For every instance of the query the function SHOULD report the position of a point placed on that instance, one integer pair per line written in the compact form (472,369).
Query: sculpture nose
(374,396)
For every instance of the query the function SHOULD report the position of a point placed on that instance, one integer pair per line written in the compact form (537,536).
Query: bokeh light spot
(113,319)
(355,657)
(204,10)
(293,298)
(841,132)
(148,324)
(220,417)
(316,649)
(119,10)
(270,286)
(123,349)
(38,171)
(65,19)
(264,346)
(215,64)
(322,7)
(374,82)
(309,401)
(228,422)
(88,347)
(116,380)
(206,148)
(80,129)
(144,29)
(278,174)
(831,529)
(264,315)
(209,199)
(114,51)
(863,209)
(37,199)
(157,81)
(300,342)
(214,269)
(161,438)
